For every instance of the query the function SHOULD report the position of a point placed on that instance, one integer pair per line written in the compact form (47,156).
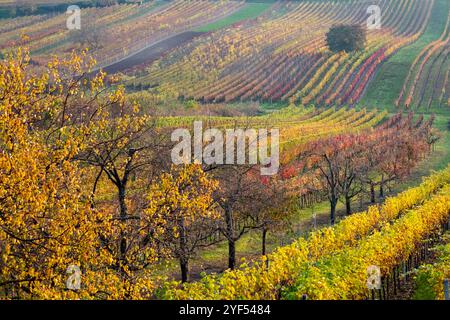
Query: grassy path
(250,11)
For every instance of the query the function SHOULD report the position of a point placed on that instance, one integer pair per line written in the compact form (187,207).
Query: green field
(250,11)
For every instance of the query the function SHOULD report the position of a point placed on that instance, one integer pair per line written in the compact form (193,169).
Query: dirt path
(158,49)
(151,53)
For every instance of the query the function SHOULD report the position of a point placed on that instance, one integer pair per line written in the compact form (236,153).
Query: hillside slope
(385,88)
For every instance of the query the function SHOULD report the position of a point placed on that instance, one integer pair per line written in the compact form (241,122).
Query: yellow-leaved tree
(183,212)
(54,243)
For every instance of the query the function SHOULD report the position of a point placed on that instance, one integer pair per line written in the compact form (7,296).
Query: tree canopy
(346,38)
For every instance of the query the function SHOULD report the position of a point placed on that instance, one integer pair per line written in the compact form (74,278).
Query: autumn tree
(181,207)
(326,162)
(46,223)
(349,181)
(47,220)
(393,151)
(90,36)
(242,197)
(126,149)
(346,38)
(272,209)
(344,165)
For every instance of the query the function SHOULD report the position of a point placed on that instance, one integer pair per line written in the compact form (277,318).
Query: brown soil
(152,53)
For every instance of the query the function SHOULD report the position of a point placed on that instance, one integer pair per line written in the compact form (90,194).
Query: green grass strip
(249,11)
(386,87)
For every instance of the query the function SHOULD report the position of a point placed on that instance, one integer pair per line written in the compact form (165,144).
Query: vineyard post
(446,293)
(394,279)
(386,288)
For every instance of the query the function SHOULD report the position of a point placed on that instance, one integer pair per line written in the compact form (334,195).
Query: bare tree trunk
(333,204)
(184,255)
(348,205)
(122,203)
(231,254)
(230,237)
(382,187)
(264,237)
(372,193)
(184,266)
(123,216)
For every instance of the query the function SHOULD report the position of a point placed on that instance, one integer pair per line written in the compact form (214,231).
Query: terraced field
(333,261)
(388,86)
(293,65)
(298,126)
(92,185)
(111,33)
(427,84)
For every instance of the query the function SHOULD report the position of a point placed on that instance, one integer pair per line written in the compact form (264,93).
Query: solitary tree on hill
(346,38)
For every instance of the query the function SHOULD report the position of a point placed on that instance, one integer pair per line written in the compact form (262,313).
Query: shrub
(346,38)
